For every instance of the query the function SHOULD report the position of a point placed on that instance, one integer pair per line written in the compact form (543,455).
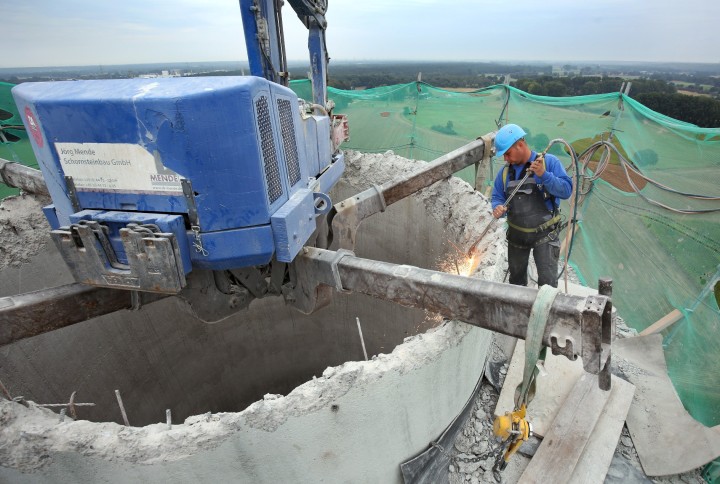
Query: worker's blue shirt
(554,181)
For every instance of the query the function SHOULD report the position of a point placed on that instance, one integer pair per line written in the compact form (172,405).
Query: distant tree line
(655,88)
(656,94)
(701,83)
(475,75)
(582,85)
(702,111)
(367,81)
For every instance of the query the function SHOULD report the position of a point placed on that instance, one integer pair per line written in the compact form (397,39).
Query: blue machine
(153,178)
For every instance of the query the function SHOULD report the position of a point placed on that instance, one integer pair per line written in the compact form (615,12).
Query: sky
(37,33)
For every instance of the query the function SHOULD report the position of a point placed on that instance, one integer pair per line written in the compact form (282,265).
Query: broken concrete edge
(35,431)
(33,434)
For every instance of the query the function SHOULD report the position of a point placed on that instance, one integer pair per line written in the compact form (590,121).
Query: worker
(533,214)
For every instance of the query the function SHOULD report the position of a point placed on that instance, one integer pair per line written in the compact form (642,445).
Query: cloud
(133,31)
(71,32)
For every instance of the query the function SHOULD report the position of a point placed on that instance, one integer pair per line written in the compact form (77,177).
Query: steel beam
(436,170)
(352,211)
(34,313)
(20,176)
(577,326)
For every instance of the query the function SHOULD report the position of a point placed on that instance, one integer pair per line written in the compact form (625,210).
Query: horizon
(296,62)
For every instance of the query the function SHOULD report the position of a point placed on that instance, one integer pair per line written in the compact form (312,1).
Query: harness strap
(544,240)
(540,228)
(533,343)
(506,169)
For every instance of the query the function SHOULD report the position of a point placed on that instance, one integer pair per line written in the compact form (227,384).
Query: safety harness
(528,214)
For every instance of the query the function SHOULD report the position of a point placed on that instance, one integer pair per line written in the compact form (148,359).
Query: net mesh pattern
(660,260)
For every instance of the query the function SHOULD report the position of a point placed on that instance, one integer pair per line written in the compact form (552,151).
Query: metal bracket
(351,212)
(277,276)
(207,302)
(154,262)
(595,348)
(252,279)
(380,196)
(322,203)
(193,216)
(334,268)
(190,199)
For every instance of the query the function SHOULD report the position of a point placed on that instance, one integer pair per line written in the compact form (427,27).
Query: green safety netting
(660,259)
(14,144)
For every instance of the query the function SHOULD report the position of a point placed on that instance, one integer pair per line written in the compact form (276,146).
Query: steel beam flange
(381,197)
(351,212)
(595,351)
(337,257)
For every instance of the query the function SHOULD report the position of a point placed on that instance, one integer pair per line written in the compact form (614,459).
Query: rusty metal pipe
(34,313)
(577,326)
(20,176)
(352,211)
(436,170)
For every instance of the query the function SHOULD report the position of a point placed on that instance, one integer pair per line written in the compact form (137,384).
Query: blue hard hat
(506,137)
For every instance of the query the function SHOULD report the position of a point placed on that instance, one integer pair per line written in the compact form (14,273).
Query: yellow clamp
(512,427)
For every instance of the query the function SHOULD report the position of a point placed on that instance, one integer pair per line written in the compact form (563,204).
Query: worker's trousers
(546,260)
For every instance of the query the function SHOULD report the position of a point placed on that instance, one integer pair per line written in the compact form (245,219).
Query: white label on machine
(116,167)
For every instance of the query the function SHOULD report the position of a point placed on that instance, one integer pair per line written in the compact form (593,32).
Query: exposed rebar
(122,408)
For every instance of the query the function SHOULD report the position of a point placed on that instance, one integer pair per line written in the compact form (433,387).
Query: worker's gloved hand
(537,166)
(499,211)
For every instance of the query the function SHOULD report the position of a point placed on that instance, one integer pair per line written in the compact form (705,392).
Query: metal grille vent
(287,127)
(269,153)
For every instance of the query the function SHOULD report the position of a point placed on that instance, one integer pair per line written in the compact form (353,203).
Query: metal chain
(197,243)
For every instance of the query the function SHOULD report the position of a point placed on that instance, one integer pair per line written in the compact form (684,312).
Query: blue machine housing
(231,155)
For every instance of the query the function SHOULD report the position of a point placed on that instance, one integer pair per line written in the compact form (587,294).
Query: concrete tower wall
(355,423)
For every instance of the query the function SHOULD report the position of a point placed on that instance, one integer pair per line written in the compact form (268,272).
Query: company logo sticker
(34,127)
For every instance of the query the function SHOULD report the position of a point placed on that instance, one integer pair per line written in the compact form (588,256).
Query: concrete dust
(23,229)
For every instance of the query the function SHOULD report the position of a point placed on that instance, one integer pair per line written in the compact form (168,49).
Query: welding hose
(573,219)
(629,165)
